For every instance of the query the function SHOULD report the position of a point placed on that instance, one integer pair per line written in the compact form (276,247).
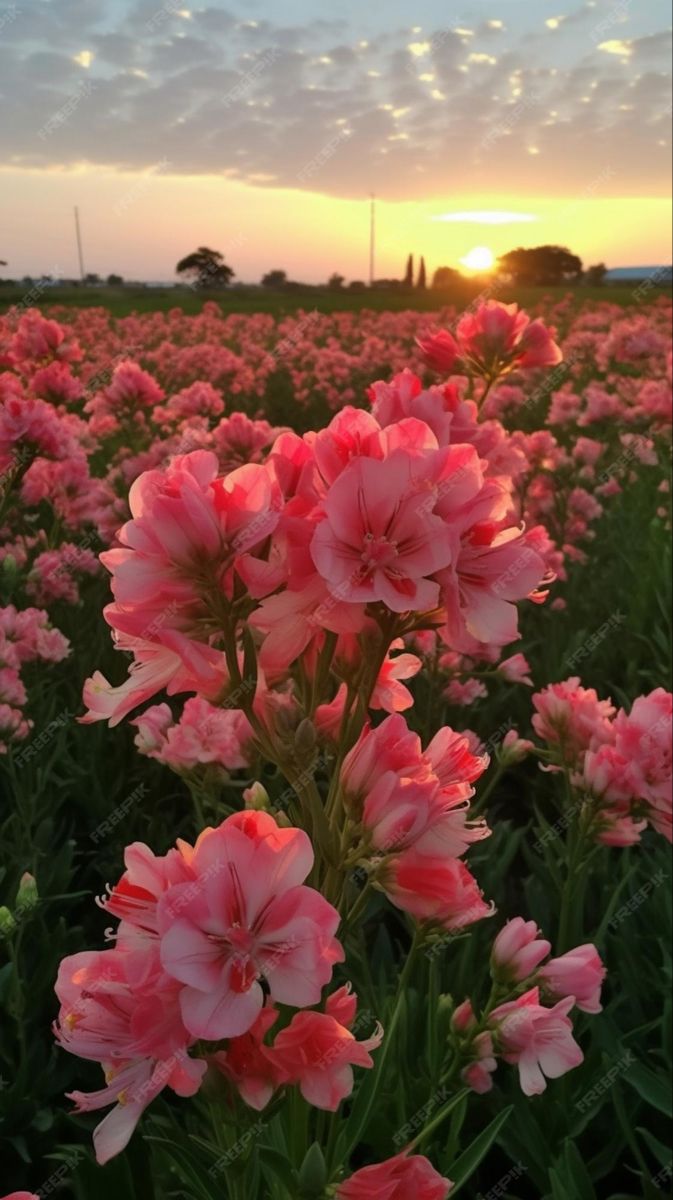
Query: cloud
(474,106)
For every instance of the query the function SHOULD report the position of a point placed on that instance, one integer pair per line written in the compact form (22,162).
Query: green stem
(481,800)
(399,1003)
(572,895)
(438,1119)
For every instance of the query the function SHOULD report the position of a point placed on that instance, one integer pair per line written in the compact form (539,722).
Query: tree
(422,281)
(595,276)
(445,277)
(114,280)
(546,266)
(206,268)
(336,282)
(92,280)
(409,273)
(357,285)
(275,279)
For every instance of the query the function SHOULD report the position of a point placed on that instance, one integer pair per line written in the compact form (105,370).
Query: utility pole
(78,234)
(372,239)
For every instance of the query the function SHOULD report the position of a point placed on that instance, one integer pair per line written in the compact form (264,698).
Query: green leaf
(465,1166)
(661,1152)
(313,1174)
(277,1168)
(575,1174)
(650,1087)
(191,1172)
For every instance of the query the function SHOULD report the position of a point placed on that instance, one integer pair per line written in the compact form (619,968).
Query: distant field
(124,300)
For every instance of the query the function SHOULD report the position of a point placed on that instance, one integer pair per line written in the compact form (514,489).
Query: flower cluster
(620,761)
(340,533)
(26,636)
(522,1031)
(412,807)
(201,929)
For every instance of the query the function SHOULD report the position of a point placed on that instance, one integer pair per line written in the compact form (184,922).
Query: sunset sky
(262,128)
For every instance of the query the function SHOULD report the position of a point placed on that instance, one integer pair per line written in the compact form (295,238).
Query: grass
(121,301)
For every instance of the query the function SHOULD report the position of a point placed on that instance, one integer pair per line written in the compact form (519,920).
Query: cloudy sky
(262,127)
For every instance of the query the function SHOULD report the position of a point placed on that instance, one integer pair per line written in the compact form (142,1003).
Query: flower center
(378,552)
(244,971)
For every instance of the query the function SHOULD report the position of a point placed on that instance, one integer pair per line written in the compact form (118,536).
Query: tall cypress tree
(422,282)
(409,276)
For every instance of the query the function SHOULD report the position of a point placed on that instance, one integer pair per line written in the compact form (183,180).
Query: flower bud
(27,895)
(313,1174)
(463,1017)
(517,951)
(7,922)
(257,797)
(305,738)
(513,748)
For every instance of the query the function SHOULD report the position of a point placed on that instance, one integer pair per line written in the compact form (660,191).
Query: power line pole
(372,239)
(78,234)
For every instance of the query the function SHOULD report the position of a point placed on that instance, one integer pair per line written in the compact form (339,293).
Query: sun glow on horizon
(480,258)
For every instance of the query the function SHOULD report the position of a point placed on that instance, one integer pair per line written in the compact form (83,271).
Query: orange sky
(138,225)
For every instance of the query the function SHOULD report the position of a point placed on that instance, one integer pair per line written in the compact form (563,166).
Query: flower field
(335,749)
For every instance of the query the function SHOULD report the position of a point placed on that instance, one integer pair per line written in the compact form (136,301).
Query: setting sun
(479,259)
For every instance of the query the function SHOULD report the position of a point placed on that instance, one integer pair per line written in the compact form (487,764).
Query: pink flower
(152,726)
(498,338)
(452,759)
(389,693)
(409,798)
(378,541)
(619,831)
(438,890)
(251,1066)
(391,746)
(579,973)
(492,568)
(138,1038)
(572,719)
(643,738)
(204,734)
(21,1196)
(609,776)
(464,692)
(516,669)
(440,351)
(134,899)
(318,1052)
(518,950)
(538,1040)
(477,1074)
(38,340)
(401,1178)
(175,663)
(404,397)
(247,916)
(132,388)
